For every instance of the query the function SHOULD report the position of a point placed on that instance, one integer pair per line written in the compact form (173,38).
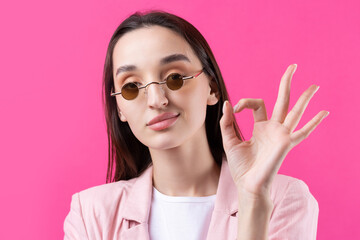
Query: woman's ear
(213,97)
(121,115)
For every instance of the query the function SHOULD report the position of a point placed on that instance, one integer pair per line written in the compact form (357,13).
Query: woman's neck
(187,170)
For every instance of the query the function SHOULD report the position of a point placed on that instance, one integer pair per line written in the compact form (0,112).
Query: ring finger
(294,116)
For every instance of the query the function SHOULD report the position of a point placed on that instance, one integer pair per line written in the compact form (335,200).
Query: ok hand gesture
(254,163)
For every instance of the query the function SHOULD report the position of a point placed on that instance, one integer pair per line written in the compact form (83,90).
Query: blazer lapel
(137,208)
(138,232)
(223,223)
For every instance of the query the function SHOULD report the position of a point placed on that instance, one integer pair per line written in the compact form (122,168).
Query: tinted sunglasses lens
(174,81)
(130,91)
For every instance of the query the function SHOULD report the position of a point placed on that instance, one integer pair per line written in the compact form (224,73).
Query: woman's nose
(156,97)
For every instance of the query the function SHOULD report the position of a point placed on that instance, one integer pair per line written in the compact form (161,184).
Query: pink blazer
(120,210)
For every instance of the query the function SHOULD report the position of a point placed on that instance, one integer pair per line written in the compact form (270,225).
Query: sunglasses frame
(162,82)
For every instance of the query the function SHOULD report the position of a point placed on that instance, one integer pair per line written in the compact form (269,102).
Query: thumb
(228,133)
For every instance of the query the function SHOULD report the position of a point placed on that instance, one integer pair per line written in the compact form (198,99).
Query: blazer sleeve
(74,226)
(296,215)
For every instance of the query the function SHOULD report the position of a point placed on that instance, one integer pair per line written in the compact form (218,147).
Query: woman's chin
(164,144)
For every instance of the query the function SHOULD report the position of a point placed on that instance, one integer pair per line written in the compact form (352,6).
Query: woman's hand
(253,164)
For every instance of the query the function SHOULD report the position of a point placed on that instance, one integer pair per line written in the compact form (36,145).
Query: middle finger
(282,101)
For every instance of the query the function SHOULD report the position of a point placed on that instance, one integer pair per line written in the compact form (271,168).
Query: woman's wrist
(260,206)
(254,216)
(257,198)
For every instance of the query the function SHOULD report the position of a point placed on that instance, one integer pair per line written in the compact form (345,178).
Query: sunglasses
(174,82)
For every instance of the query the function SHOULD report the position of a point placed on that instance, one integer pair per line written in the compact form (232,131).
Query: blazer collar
(137,207)
(227,193)
(138,204)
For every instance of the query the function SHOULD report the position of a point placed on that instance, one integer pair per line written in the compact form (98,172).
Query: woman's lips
(163,124)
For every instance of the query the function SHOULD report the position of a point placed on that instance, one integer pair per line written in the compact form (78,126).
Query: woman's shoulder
(94,209)
(295,209)
(105,195)
(286,188)
(109,187)
(283,183)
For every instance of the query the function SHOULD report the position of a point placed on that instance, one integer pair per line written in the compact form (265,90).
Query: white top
(173,218)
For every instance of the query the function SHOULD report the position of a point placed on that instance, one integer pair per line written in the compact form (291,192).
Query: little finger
(304,132)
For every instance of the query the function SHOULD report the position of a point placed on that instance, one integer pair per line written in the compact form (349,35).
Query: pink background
(53,136)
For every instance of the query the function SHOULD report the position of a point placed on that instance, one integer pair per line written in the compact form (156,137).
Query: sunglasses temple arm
(198,74)
(114,94)
(185,78)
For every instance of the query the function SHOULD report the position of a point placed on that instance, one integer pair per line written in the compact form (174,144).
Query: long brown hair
(127,156)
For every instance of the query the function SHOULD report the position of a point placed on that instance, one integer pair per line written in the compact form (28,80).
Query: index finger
(282,102)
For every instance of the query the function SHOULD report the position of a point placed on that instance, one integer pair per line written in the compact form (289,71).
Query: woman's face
(144,49)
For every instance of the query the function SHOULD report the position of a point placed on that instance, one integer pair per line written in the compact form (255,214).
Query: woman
(179,166)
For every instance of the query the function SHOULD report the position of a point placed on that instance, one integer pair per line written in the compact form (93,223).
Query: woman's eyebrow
(166,60)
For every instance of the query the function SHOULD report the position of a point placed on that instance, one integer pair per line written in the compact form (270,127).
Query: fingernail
(317,88)
(235,108)
(327,113)
(295,67)
(223,108)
